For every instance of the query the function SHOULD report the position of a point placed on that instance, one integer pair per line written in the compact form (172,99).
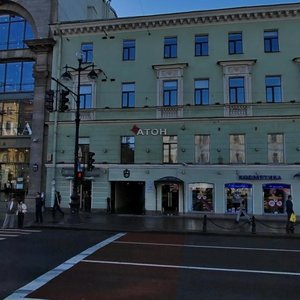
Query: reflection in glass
(275,196)
(15,118)
(235,194)
(170,149)
(127,149)
(14,30)
(16,77)
(202,196)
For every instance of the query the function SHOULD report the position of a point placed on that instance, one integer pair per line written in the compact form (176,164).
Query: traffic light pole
(75,197)
(74,204)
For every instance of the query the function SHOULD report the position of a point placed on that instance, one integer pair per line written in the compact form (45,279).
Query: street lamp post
(74,203)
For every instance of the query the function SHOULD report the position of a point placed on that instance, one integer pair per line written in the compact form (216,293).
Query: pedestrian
(39,203)
(56,206)
(22,209)
(242,210)
(289,211)
(108,205)
(87,202)
(11,210)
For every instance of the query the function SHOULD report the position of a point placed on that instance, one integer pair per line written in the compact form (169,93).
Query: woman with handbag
(289,211)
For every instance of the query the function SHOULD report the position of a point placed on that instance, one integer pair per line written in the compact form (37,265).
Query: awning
(168,179)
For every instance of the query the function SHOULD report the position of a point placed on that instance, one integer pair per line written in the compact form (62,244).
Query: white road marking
(209,247)
(45,278)
(8,235)
(191,267)
(19,231)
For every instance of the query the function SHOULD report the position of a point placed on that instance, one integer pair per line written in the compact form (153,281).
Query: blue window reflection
(236,90)
(86,96)
(14,30)
(201,91)
(170,47)
(273,89)
(87,53)
(129,50)
(128,95)
(170,93)
(16,77)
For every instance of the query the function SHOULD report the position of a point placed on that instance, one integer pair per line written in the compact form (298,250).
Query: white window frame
(202,149)
(241,68)
(240,149)
(172,72)
(274,146)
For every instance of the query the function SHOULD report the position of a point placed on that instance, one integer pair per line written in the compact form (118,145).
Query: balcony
(169,112)
(237,110)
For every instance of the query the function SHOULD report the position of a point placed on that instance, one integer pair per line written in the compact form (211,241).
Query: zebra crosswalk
(12,233)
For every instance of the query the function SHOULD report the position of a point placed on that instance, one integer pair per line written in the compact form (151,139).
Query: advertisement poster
(275,196)
(235,194)
(202,197)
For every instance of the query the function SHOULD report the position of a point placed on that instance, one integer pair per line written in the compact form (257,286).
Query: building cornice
(255,13)
(296,60)
(41,45)
(248,62)
(170,66)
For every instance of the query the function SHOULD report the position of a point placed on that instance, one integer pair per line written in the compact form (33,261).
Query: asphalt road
(27,254)
(156,266)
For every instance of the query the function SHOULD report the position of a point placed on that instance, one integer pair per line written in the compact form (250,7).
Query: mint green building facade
(190,113)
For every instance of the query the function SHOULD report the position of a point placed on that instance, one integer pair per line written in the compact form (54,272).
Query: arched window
(14,30)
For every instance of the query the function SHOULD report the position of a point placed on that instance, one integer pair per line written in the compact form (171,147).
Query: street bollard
(253,223)
(204,225)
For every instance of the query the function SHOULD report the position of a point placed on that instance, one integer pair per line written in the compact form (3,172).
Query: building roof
(229,15)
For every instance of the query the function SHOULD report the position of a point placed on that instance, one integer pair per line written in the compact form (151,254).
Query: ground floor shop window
(13,179)
(235,194)
(275,196)
(202,196)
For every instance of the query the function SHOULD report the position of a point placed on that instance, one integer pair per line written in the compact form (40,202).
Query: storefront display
(275,196)
(235,193)
(202,197)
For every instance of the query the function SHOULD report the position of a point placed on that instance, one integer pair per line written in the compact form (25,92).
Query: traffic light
(79,175)
(64,100)
(90,161)
(49,100)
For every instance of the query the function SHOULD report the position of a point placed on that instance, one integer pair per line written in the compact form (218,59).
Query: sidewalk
(200,224)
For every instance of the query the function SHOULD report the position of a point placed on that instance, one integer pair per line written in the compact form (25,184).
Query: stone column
(42,49)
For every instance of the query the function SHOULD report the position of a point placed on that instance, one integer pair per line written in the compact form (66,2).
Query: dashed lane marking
(8,233)
(199,268)
(20,231)
(209,247)
(42,280)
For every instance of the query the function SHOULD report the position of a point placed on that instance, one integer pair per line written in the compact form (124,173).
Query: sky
(129,8)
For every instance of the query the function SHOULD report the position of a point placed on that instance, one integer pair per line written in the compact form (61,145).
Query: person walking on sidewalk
(39,203)
(242,210)
(56,206)
(11,210)
(289,211)
(22,209)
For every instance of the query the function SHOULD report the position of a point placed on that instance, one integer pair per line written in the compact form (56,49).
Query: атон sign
(148,131)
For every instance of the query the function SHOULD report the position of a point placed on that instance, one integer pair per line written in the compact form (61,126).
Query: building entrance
(170,198)
(86,195)
(128,197)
